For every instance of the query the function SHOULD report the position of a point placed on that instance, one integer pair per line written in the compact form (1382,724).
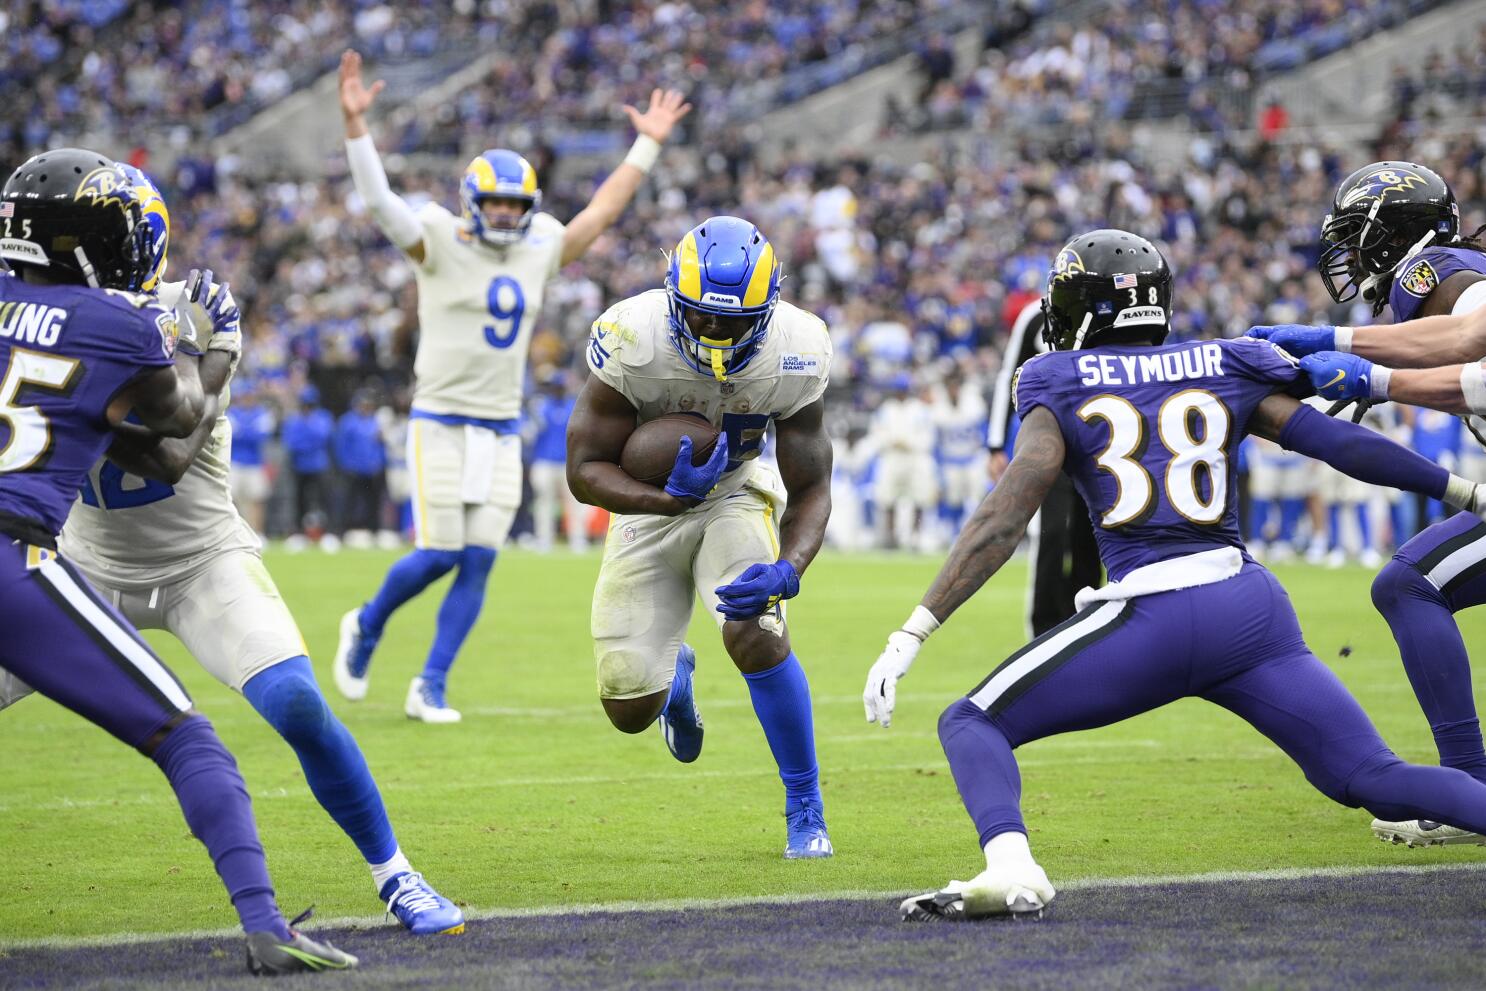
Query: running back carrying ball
(650,452)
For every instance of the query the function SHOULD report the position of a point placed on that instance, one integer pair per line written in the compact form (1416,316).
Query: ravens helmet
(498,174)
(1382,214)
(1103,284)
(725,267)
(75,214)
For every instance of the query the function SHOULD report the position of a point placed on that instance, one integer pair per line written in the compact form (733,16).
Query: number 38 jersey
(1152,436)
(630,351)
(140,533)
(477,307)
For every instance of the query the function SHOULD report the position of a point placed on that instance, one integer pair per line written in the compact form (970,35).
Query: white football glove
(881,694)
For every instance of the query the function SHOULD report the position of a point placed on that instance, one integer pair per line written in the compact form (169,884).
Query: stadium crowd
(917,269)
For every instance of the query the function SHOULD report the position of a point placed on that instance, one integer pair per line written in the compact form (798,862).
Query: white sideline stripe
(57,576)
(165,797)
(704,904)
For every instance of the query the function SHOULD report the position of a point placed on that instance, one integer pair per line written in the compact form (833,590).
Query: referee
(1064,556)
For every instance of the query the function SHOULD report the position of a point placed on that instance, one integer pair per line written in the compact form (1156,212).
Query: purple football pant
(1235,643)
(1432,577)
(64,640)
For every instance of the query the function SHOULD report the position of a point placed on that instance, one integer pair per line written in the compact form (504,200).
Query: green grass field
(534,800)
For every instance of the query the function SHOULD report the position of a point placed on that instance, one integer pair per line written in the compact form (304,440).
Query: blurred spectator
(362,460)
(551,496)
(252,427)
(1273,121)
(306,438)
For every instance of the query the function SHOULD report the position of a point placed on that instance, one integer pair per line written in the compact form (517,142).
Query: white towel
(479,464)
(1189,571)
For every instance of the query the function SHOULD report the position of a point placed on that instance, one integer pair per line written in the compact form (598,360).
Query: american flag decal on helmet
(1124,281)
(7,209)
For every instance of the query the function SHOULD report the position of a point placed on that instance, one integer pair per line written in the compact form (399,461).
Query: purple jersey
(1152,437)
(1423,272)
(66,352)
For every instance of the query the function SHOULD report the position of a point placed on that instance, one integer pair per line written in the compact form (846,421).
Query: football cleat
(421,910)
(680,722)
(426,702)
(1019,892)
(270,956)
(807,836)
(353,657)
(1425,832)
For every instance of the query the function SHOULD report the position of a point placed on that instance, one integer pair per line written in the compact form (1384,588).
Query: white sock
(1008,848)
(386,871)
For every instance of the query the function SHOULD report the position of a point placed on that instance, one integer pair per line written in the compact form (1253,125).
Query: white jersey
(138,533)
(630,351)
(477,307)
(961,426)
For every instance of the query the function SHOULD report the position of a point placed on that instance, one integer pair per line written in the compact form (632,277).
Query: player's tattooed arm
(805,467)
(602,421)
(165,459)
(996,527)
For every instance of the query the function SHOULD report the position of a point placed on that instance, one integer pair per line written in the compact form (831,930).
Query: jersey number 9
(507,305)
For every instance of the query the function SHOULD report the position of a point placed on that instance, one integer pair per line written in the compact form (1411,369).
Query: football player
(1149,434)
(82,347)
(156,531)
(480,279)
(717,342)
(1393,235)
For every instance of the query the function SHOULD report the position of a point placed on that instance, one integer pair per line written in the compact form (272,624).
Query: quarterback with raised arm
(481,276)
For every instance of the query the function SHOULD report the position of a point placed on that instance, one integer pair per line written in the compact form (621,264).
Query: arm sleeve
(391,212)
(1364,454)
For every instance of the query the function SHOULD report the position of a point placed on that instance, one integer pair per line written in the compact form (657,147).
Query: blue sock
(984,768)
(412,573)
(1334,524)
(781,700)
(287,696)
(220,814)
(1259,520)
(1291,512)
(1436,661)
(1364,527)
(458,613)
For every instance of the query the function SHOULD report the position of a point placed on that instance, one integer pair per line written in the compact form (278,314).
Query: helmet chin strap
(1083,330)
(86,266)
(715,347)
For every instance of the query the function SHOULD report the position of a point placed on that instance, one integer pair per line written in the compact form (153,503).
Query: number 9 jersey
(477,307)
(1152,437)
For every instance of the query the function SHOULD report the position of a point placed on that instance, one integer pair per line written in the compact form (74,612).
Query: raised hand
(667,107)
(356,98)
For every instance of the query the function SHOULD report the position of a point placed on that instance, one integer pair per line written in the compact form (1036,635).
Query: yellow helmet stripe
(484,173)
(757,293)
(690,268)
(528,178)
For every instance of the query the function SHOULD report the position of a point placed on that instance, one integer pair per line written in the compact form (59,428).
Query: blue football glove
(691,483)
(1297,338)
(1340,376)
(216,299)
(758,589)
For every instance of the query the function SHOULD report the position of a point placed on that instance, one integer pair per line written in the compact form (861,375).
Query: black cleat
(270,956)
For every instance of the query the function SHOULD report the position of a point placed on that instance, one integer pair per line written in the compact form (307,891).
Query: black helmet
(75,214)
(1381,214)
(1105,281)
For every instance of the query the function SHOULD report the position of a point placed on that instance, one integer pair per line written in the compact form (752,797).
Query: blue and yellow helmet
(503,174)
(724,266)
(157,219)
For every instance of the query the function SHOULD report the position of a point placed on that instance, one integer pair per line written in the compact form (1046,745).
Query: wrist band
(1342,338)
(643,153)
(1473,386)
(921,623)
(1379,382)
(1460,493)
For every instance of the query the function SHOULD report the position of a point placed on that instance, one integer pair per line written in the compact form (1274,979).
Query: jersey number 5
(30,434)
(508,305)
(1193,460)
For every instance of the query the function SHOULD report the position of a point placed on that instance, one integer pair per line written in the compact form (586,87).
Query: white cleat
(1020,891)
(1423,832)
(427,704)
(347,683)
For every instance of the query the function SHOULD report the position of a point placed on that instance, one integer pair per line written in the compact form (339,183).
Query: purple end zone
(1383,930)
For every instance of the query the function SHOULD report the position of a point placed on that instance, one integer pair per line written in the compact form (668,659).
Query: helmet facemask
(742,332)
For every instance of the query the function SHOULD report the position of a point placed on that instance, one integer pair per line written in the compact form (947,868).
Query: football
(650,453)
